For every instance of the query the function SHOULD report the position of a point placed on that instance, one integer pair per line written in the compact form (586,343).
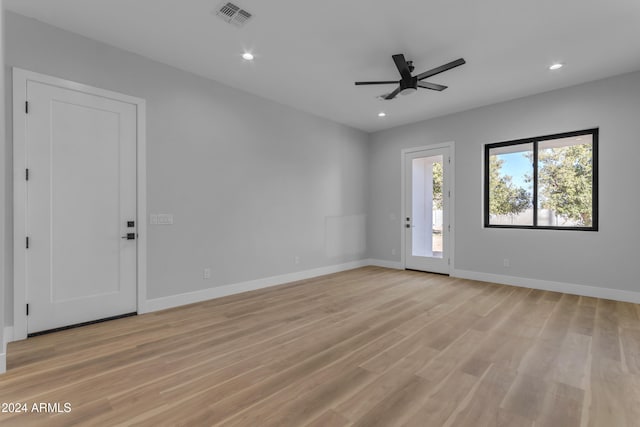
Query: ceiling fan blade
(432,86)
(393,94)
(441,69)
(402,65)
(389,82)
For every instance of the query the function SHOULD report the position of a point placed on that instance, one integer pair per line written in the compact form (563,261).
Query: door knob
(129,236)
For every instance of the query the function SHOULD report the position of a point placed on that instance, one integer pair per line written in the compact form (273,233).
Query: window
(549,182)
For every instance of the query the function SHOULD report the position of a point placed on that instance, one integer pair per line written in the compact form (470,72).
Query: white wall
(250,182)
(604,259)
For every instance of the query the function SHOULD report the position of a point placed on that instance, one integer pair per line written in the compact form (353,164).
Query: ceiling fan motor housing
(408,85)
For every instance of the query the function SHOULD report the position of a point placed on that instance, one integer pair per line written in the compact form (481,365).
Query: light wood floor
(367,347)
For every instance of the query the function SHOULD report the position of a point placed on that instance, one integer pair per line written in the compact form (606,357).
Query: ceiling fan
(408,83)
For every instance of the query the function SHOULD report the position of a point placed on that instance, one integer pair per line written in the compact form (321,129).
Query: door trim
(403,153)
(20,79)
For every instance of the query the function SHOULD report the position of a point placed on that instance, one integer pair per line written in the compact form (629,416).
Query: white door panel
(426,184)
(81,155)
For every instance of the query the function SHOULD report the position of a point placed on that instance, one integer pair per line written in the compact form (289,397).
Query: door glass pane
(511,185)
(565,182)
(427,219)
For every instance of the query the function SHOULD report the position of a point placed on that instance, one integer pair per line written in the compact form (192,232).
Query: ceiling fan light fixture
(408,91)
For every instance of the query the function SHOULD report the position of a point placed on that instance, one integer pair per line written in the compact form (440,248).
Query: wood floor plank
(365,347)
(329,418)
(562,406)
(391,380)
(630,340)
(398,406)
(572,362)
(441,405)
(483,409)
(606,340)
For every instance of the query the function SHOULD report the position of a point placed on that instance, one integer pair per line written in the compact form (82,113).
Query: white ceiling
(309,53)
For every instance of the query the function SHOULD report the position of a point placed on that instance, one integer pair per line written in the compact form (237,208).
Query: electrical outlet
(154,219)
(296,259)
(393,251)
(206,274)
(505,262)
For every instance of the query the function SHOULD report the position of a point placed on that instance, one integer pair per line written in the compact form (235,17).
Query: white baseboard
(7,337)
(3,363)
(221,291)
(236,288)
(397,265)
(545,285)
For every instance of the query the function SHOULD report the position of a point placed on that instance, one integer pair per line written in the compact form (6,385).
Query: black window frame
(594,192)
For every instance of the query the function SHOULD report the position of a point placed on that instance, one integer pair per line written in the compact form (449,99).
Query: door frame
(451,216)
(20,79)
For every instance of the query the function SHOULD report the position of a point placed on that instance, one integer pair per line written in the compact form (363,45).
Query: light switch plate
(165,219)
(153,220)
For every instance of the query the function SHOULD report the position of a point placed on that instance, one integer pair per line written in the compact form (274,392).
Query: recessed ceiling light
(556,66)
(247,56)
(382,114)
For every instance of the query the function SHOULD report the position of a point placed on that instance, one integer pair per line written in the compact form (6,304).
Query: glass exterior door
(426,210)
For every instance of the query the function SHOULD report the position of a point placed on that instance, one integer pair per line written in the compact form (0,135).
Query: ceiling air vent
(233,14)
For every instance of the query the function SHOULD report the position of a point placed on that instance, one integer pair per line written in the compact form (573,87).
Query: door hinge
(449,160)
(26,107)
(448,228)
(448,261)
(26,174)
(27,242)
(449,193)
(27,309)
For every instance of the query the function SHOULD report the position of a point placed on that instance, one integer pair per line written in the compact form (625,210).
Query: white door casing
(427,243)
(82,147)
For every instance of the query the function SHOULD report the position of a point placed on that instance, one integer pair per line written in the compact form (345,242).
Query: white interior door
(80,198)
(426,210)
